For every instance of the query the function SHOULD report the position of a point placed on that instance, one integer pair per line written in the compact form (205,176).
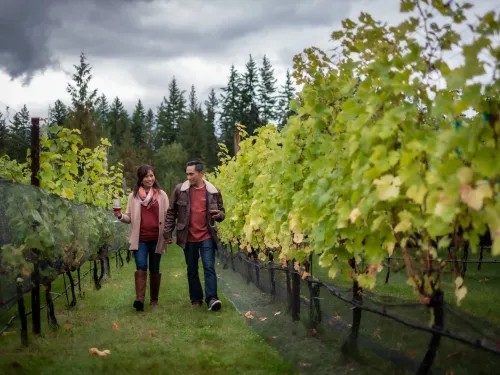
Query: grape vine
(392,148)
(68,219)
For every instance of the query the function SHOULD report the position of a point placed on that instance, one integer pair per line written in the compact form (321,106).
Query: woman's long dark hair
(141,173)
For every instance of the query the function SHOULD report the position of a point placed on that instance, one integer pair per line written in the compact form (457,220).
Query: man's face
(194,177)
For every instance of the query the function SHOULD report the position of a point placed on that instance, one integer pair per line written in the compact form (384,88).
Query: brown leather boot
(154,287)
(140,289)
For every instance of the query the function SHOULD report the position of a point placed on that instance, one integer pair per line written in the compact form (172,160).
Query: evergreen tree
(191,133)
(170,114)
(83,100)
(4,136)
(287,94)
(118,124)
(102,113)
(123,144)
(139,125)
(150,129)
(20,135)
(249,109)
(267,91)
(211,146)
(230,113)
(58,114)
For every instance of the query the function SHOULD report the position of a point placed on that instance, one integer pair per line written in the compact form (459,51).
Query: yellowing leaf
(405,223)
(390,247)
(460,290)
(283,259)
(465,175)
(68,193)
(387,187)
(495,249)
(332,272)
(298,237)
(354,215)
(474,197)
(417,193)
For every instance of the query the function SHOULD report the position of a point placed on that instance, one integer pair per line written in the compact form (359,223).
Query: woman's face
(148,180)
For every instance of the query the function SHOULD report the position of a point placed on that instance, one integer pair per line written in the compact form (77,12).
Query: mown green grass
(172,338)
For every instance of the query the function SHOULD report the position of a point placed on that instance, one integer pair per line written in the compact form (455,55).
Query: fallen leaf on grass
(9,333)
(116,285)
(312,333)
(277,313)
(335,318)
(67,326)
(115,325)
(249,315)
(152,331)
(350,366)
(15,364)
(485,280)
(263,318)
(305,364)
(96,352)
(236,294)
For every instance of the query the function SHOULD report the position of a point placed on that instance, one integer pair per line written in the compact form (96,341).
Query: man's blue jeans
(141,257)
(192,254)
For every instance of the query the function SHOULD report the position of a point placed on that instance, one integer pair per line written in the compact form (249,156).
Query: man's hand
(216,215)
(168,241)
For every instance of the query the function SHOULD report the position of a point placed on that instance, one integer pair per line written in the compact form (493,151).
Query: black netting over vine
(58,234)
(325,330)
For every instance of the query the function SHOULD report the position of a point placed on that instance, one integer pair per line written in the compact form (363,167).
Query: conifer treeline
(182,127)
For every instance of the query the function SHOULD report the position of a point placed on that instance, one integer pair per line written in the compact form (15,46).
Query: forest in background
(182,127)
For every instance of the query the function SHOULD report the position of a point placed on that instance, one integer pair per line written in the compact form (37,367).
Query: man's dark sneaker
(214,305)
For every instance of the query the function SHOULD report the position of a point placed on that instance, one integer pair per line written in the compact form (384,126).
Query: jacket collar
(210,188)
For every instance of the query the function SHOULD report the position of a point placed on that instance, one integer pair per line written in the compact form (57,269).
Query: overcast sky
(136,46)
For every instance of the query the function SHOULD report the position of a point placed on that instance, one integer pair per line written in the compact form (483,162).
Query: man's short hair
(198,165)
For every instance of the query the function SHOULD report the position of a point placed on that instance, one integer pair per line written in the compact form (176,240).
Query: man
(196,204)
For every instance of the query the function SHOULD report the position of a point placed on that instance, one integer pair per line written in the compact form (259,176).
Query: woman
(146,210)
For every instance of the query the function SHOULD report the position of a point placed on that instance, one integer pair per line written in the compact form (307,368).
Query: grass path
(173,338)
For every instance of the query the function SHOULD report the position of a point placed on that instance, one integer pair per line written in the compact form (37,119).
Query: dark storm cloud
(26,27)
(35,34)
(192,27)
